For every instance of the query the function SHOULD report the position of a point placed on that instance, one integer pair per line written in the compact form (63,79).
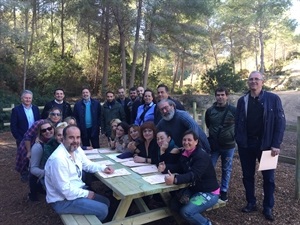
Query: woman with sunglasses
(37,173)
(24,149)
(148,150)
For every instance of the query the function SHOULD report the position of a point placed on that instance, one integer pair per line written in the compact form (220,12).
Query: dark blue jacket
(273,120)
(66,109)
(79,114)
(19,123)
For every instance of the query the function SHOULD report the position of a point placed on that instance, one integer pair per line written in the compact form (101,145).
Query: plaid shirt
(22,161)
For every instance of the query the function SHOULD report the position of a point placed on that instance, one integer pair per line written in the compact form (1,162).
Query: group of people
(160,133)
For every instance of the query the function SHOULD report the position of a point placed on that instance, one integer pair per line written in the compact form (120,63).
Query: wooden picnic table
(133,187)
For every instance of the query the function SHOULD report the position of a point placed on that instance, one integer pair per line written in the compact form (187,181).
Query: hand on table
(169,178)
(108,170)
(161,167)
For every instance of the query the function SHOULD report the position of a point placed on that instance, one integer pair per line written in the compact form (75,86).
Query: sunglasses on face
(55,114)
(46,129)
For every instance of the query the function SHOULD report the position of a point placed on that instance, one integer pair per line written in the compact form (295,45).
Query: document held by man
(267,161)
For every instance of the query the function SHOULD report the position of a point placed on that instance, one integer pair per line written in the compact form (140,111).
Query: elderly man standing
(59,102)
(23,116)
(176,122)
(87,113)
(66,192)
(259,126)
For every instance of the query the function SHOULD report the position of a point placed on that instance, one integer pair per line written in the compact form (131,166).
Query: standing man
(87,113)
(123,100)
(259,126)
(219,119)
(139,101)
(133,98)
(111,110)
(23,116)
(66,192)
(176,122)
(163,93)
(58,102)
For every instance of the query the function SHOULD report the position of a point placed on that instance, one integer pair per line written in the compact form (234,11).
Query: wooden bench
(74,219)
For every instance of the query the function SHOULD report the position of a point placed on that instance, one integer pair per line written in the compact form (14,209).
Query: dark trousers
(35,187)
(248,157)
(87,139)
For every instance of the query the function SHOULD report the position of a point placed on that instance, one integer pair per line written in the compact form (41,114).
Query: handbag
(213,141)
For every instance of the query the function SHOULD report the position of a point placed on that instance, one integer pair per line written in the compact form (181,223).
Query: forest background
(190,45)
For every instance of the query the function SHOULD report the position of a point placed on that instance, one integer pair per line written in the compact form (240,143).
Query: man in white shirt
(66,192)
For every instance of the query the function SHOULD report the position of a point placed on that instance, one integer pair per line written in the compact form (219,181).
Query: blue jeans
(226,160)
(198,203)
(97,206)
(248,157)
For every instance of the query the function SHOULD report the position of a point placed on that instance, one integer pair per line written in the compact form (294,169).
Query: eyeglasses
(254,79)
(46,129)
(78,170)
(55,114)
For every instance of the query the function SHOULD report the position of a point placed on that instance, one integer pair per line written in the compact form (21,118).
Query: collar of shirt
(188,153)
(27,107)
(85,101)
(58,101)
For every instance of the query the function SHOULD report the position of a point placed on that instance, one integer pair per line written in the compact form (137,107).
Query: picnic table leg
(122,208)
(166,197)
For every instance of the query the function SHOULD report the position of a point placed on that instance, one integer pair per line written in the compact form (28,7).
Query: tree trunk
(25,47)
(123,58)
(262,53)
(175,71)
(62,28)
(105,51)
(136,43)
(182,72)
(148,56)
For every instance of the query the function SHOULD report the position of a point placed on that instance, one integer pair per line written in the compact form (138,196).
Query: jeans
(226,160)
(97,206)
(198,203)
(248,157)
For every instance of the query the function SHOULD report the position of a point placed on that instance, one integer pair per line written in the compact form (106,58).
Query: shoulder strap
(142,116)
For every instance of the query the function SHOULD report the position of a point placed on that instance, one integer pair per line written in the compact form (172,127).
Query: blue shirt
(148,116)
(88,114)
(29,115)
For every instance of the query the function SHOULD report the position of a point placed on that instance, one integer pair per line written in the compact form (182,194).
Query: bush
(221,75)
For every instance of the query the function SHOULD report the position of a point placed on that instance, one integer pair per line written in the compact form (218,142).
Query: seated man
(66,192)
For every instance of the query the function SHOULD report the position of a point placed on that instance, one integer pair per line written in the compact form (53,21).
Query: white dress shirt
(63,174)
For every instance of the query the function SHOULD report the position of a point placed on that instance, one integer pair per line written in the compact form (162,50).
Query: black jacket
(66,109)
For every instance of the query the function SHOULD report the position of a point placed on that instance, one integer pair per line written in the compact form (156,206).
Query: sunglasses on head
(46,129)
(55,114)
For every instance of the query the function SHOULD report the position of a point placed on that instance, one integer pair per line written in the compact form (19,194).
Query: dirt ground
(15,209)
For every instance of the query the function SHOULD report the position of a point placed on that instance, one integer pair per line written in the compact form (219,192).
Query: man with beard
(123,100)
(66,192)
(138,101)
(111,109)
(163,93)
(128,111)
(176,122)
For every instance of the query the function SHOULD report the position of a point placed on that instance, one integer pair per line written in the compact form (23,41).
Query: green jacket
(213,119)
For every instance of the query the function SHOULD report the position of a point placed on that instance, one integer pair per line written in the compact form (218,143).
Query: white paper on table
(131,163)
(95,156)
(267,161)
(106,150)
(155,179)
(114,157)
(105,162)
(92,151)
(117,172)
(145,169)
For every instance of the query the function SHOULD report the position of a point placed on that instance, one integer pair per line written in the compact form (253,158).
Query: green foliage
(221,75)
(62,72)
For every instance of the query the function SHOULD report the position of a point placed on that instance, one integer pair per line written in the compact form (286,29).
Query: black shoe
(223,196)
(268,214)
(249,208)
